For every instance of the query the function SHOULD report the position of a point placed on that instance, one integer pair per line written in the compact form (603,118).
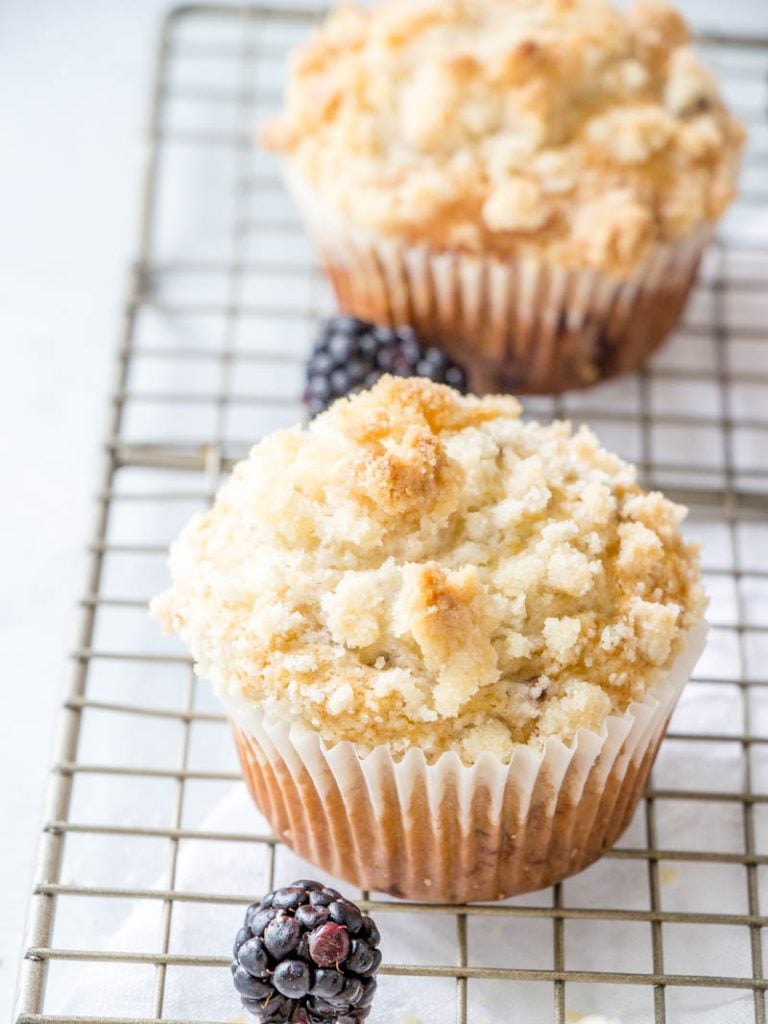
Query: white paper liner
(522,325)
(447,832)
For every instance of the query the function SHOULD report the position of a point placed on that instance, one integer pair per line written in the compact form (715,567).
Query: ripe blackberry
(350,355)
(306,955)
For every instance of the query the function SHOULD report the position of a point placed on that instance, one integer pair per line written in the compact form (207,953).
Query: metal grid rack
(222,300)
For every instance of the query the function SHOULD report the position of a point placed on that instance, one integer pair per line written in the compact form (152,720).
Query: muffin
(448,641)
(530,183)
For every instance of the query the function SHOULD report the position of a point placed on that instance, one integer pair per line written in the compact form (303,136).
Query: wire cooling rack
(224,295)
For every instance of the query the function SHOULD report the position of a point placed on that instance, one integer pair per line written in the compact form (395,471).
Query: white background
(73,88)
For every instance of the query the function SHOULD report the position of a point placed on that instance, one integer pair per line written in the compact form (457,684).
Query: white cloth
(520,942)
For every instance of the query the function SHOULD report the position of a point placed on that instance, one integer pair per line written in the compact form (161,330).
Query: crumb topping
(420,568)
(512,127)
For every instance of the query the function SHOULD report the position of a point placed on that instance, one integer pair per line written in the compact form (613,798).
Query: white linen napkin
(410,938)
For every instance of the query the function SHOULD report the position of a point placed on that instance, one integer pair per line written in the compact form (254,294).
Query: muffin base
(447,832)
(519,325)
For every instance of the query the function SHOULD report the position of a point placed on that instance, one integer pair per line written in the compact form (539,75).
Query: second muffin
(530,183)
(449,642)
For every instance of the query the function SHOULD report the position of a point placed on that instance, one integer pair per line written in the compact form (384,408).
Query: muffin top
(511,127)
(419,568)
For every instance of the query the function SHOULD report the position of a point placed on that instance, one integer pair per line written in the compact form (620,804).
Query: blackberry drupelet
(306,955)
(350,355)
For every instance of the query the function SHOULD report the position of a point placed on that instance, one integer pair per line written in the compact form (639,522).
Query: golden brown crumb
(503,126)
(419,568)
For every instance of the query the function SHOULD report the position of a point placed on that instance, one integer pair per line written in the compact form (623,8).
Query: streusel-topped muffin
(539,135)
(420,574)
(421,569)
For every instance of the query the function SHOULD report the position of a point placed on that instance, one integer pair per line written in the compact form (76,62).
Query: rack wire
(222,300)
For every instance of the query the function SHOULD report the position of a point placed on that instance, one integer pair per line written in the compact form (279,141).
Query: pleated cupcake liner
(447,832)
(522,325)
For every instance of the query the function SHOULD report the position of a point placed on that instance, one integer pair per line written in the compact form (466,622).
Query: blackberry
(350,355)
(306,955)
